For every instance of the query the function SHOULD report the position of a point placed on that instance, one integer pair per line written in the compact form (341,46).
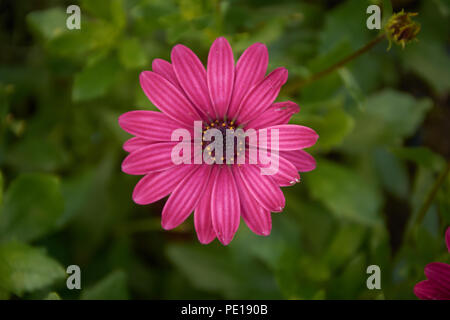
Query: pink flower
(224,96)
(437,287)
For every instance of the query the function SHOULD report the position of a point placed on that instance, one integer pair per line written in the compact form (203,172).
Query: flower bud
(401,29)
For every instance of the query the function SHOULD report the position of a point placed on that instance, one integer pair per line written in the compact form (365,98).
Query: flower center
(231,143)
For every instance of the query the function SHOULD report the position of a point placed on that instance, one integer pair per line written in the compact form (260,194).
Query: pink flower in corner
(224,96)
(437,287)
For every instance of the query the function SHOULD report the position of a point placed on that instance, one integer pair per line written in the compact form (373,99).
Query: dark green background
(383,125)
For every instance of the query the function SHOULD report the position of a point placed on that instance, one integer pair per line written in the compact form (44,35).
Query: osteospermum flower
(225,96)
(437,287)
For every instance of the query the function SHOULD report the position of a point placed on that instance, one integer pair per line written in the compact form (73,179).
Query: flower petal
(285,175)
(278,113)
(185,197)
(220,75)
(135,143)
(225,205)
(302,160)
(439,273)
(250,70)
(150,125)
(156,185)
(257,218)
(165,69)
(168,98)
(261,96)
(202,214)
(427,290)
(262,188)
(191,75)
(290,137)
(155,157)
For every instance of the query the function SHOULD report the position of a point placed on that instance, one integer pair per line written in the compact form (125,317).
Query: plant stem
(341,63)
(428,201)
(407,235)
(432,194)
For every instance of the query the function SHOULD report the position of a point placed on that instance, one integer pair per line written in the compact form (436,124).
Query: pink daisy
(223,96)
(437,287)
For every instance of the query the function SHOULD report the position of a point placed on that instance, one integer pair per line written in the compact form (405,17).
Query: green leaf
(345,22)
(131,53)
(316,223)
(344,245)
(299,275)
(433,15)
(386,11)
(352,86)
(218,269)
(352,280)
(76,191)
(32,206)
(49,23)
(388,117)
(346,193)
(93,206)
(401,113)
(333,124)
(25,269)
(95,80)
(118,13)
(112,287)
(326,87)
(423,183)
(431,62)
(95,37)
(392,172)
(207,269)
(285,231)
(53,296)
(110,10)
(380,248)
(47,155)
(421,156)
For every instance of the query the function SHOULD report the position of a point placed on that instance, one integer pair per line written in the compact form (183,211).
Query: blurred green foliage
(382,120)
